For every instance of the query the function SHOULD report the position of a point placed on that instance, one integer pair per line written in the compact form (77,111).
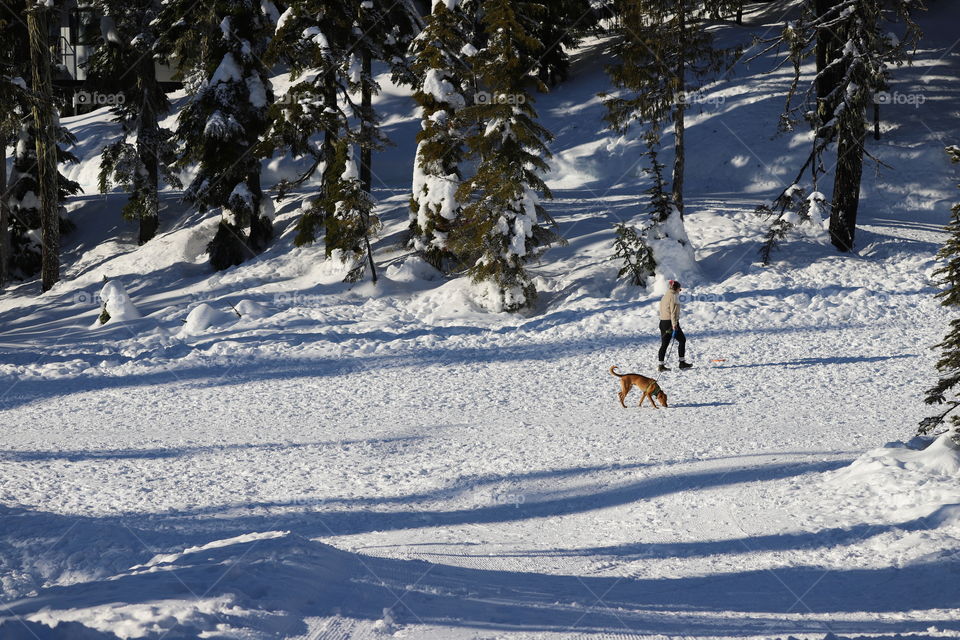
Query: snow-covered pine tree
(443,78)
(330,48)
(853,44)
(222,45)
(500,231)
(562,27)
(13,106)
(23,257)
(664,53)
(949,364)
(123,64)
(661,243)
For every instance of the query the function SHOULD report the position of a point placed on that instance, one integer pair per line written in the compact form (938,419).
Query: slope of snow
(268,452)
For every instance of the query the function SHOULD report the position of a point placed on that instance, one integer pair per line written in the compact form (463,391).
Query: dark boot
(685,365)
(663,367)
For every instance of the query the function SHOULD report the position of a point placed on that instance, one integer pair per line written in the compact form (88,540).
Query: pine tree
(500,233)
(562,27)
(14,101)
(24,252)
(221,46)
(442,82)
(123,64)
(663,52)
(330,48)
(949,363)
(853,46)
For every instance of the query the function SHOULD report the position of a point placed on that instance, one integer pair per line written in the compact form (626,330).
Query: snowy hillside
(268,452)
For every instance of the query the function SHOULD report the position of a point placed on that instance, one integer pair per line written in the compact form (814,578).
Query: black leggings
(666,332)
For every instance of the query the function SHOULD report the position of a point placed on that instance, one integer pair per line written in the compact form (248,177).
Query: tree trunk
(148,134)
(825,53)
(740,12)
(4,217)
(846,185)
(366,147)
(679,111)
(43,117)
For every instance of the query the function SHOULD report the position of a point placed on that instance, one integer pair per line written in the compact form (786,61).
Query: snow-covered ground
(268,452)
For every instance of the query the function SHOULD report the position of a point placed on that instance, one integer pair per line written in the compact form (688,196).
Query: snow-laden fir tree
(23,253)
(329,48)
(123,65)
(500,230)
(14,101)
(443,80)
(854,44)
(949,363)
(561,28)
(660,244)
(221,46)
(664,53)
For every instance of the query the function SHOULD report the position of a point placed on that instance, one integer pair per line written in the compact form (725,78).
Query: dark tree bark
(678,119)
(37,21)
(148,139)
(4,217)
(846,185)
(366,148)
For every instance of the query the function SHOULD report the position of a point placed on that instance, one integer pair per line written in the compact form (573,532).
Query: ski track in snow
(359,462)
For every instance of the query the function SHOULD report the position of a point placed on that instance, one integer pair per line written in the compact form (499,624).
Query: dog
(650,388)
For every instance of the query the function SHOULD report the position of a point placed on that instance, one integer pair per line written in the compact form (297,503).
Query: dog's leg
(642,398)
(653,402)
(624,390)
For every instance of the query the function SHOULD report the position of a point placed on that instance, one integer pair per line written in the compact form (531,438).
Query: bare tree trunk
(148,134)
(679,112)
(366,148)
(43,117)
(4,217)
(846,185)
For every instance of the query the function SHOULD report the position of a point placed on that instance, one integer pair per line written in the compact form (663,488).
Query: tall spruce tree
(123,64)
(23,255)
(13,106)
(949,364)
(853,46)
(220,46)
(442,85)
(500,232)
(664,52)
(330,49)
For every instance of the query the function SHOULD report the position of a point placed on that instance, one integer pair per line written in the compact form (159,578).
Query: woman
(670,326)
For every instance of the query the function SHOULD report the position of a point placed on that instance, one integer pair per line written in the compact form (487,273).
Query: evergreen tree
(21,246)
(853,45)
(562,26)
(442,83)
(663,52)
(500,231)
(220,47)
(330,48)
(13,105)
(123,64)
(949,363)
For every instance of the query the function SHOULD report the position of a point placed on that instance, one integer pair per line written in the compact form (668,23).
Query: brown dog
(650,388)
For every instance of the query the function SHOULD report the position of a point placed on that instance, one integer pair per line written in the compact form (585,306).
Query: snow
(228,70)
(117,303)
(357,460)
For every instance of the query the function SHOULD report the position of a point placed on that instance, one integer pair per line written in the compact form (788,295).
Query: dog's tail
(619,375)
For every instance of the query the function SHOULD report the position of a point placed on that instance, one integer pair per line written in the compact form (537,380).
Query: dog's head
(658,394)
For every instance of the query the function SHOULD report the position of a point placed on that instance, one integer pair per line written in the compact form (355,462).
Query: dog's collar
(656,390)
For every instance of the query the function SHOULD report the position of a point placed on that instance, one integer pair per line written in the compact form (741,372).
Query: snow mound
(117,303)
(941,457)
(251,309)
(412,269)
(203,316)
